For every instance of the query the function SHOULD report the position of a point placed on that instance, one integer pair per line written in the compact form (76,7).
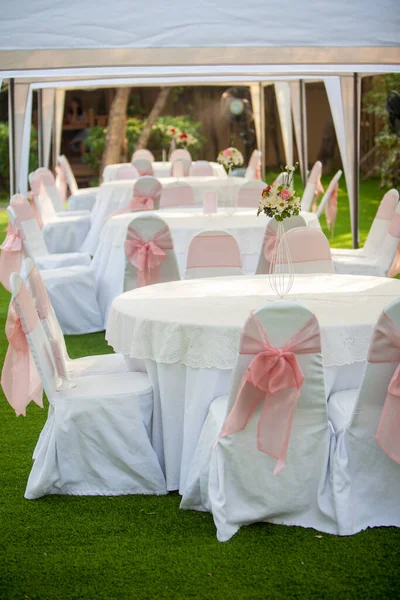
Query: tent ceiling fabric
(44,34)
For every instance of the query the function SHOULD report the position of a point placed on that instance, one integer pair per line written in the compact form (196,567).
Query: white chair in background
(249,194)
(62,233)
(176,194)
(95,440)
(78,367)
(365,461)
(146,194)
(48,182)
(180,167)
(381,262)
(80,199)
(263,453)
(313,187)
(126,172)
(253,170)
(309,251)
(180,153)
(264,261)
(143,167)
(378,229)
(329,202)
(144,153)
(213,253)
(201,168)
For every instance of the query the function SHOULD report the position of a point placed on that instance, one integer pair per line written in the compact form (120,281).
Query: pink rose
(228,152)
(285,194)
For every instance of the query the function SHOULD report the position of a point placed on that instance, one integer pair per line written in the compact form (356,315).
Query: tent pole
(40,128)
(356,166)
(303,130)
(54,135)
(11,135)
(262,128)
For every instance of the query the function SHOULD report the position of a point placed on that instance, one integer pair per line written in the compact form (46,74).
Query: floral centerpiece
(279,202)
(230,157)
(185,139)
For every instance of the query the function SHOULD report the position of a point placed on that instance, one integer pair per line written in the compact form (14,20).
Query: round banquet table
(188,332)
(116,194)
(160,169)
(243,224)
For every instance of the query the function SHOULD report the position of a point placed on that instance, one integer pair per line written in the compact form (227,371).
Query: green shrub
(159,140)
(5,156)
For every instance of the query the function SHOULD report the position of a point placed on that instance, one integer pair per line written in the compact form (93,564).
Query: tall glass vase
(230,201)
(281,269)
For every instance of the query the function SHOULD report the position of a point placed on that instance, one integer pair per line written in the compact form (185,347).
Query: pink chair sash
(269,243)
(387,206)
(275,377)
(61,183)
(213,251)
(175,195)
(39,293)
(147,256)
(249,197)
(127,172)
(19,378)
(11,255)
(141,202)
(331,209)
(385,347)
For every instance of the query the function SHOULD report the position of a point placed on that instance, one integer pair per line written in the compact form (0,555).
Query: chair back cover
(146,194)
(149,252)
(19,378)
(127,172)
(143,166)
(309,251)
(368,451)
(69,175)
(201,168)
(38,341)
(144,153)
(249,194)
(42,200)
(49,184)
(32,238)
(272,452)
(329,201)
(388,257)
(61,183)
(264,261)
(213,253)
(253,170)
(381,222)
(180,153)
(313,187)
(180,167)
(178,193)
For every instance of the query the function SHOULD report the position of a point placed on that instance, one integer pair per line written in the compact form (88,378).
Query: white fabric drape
(58,117)
(255,92)
(300,126)
(22,133)
(48,95)
(282,92)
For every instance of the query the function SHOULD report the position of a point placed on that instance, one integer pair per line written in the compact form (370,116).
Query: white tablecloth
(114,195)
(160,169)
(109,259)
(188,333)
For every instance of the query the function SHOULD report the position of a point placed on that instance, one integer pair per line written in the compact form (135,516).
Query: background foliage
(5,155)
(387,143)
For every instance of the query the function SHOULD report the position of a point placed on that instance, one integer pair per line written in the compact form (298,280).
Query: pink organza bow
(11,254)
(331,209)
(275,377)
(142,202)
(61,183)
(269,243)
(147,256)
(319,189)
(385,347)
(19,378)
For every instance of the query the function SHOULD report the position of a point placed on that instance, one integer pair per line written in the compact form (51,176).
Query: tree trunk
(116,128)
(151,119)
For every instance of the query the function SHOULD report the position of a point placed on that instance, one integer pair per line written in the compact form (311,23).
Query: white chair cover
(143,166)
(95,440)
(180,167)
(249,195)
(313,187)
(21,215)
(253,170)
(180,153)
(80,199)
(89,365)
(213,253)
(309,251)
(144,153)
(326,197)
(127,172)
(365,480)
(264,262)
(201,168)
(178,193)
(146,188)
(240,487)
(49,184)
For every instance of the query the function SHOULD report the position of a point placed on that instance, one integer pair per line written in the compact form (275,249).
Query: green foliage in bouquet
(5,155)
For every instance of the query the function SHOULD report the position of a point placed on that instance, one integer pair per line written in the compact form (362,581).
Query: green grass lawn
(132,547)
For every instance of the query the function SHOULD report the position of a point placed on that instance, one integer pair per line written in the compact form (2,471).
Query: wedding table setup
(184,224)
(187,333)
(161,169)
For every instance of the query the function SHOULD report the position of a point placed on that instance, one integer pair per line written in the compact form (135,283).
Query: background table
(109,259)
(160,169)
(188,334)
(116,194)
